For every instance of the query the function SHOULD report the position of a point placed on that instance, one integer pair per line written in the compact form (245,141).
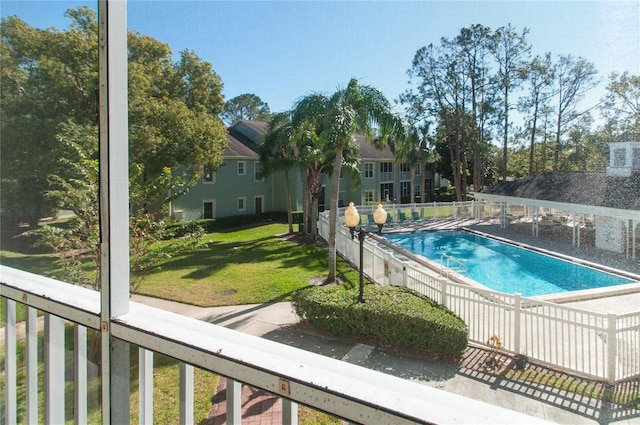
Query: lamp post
(352,219)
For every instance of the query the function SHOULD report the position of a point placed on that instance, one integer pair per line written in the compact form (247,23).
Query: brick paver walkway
(258,407)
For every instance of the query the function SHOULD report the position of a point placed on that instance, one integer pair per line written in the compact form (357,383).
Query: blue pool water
(503,267)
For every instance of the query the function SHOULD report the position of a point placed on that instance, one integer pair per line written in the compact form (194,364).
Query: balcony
(348,391)
(351,392)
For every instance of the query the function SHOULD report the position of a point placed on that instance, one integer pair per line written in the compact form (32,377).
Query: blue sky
(284,50)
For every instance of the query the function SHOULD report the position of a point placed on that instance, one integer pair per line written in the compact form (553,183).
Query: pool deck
(605,303)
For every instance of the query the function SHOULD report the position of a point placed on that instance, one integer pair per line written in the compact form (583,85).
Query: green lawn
(242,267)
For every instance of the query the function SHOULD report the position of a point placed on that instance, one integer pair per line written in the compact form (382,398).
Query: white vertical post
(234,402)
(10,362)
(114,204)
(404,275)
(443,292)
(289,412)
(145,385)
(517,312)
(633,239)
(32,365)
(612,349)
(186,394)
(54,369)
(80,373)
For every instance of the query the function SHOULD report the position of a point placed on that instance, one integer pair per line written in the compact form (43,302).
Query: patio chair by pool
(415,216)
(389,219)
(402,217)
(370,218)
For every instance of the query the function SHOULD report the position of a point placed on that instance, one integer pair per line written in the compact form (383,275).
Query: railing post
(80,373)
(234,402)
(404,275)
(517,304)
(186,393)
(10,361)
(145,385)
(114,205)
(443,292)
(612,348)
(289,412)
(32,365)
(54,365)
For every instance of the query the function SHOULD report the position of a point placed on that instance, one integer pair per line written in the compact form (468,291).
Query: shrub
(210,225)
(390,316)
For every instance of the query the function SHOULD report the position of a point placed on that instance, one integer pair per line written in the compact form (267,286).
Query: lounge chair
(370,218)
(402,217)
(415,216)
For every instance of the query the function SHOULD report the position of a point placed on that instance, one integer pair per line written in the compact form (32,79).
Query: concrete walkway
(278,322)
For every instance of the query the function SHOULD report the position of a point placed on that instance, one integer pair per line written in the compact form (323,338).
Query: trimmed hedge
(210,225)
(390,316)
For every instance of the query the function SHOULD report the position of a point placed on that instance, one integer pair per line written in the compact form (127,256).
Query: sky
(283,50)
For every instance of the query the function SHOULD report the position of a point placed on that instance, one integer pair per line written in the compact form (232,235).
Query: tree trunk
(306,205)
(533,139)
(287,195)
(333,214)
(423,187)
(556,147)
(505,138)
(413,176)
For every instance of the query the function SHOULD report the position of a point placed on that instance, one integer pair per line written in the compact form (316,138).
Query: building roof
(242,146)
(369,152)
(260,127)
(239,146)
(575,187)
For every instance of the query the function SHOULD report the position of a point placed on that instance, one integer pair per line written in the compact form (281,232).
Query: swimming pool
(504,267)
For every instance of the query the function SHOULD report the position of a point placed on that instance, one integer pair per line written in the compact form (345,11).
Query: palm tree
(356,109)
(413,149)
(278,153)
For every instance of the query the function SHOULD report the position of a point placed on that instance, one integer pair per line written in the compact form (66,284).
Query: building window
(242,203)
(242,168)
(368,197)
(417,191)
(207,209)
(404,168)
(208,175)
(368,170)
(386,167)
(405,188)
(258,176)
(619,157)
(386,192)
(419,170)
(635,158)
(340,199)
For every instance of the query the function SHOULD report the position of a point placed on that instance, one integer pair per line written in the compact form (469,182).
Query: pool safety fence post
(517,304)
(612,349)
(443,292)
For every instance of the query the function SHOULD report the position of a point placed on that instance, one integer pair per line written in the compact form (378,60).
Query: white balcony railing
(349,391)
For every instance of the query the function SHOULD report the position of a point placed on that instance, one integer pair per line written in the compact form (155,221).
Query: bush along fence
(596,345)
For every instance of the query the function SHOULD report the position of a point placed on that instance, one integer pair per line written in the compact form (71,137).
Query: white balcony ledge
(343,389)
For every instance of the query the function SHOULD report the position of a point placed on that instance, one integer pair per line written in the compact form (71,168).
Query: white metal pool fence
(598,345)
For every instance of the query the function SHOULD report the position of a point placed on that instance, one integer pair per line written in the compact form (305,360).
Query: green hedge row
(210,225)
(390,316)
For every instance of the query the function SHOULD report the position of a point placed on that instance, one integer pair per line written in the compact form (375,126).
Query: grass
(233,267)
(242,267)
